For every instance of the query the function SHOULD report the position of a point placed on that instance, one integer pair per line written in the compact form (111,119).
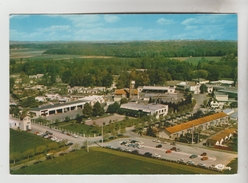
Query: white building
(25,124)
(40,98)
(92,99)
(53,96)
(151,109)
(157,89)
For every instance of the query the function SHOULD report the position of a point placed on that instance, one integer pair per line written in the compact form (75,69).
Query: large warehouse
(66,107)
(150,109)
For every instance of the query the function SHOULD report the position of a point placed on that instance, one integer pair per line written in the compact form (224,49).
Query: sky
(122,27)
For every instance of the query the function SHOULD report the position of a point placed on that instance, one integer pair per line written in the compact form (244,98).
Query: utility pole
(87,144)
(102,134)
(192,134)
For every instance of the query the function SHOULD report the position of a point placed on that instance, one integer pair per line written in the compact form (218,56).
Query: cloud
(163,21)
(84,20)
(54,28)
(188,21)
(111,18)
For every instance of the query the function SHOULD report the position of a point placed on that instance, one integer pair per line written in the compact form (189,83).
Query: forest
(136,49)
(148,63)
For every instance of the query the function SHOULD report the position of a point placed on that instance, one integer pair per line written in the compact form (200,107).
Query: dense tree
(113,108)
(40,149)
(123,101)
(97,109)
(203,88)
(15,156)
(87,111)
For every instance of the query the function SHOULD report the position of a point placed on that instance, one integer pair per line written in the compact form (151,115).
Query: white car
(54,138)
(40,133)
(75,136)
(156,155)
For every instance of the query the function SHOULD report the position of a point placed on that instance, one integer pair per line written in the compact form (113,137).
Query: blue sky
(122,27)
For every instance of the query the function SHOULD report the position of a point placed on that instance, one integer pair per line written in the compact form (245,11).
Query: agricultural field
(21,141)
(34,54)
(106,161)
(195,60)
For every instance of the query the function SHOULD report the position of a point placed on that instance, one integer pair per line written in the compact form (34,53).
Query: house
(40,98)
(214,104)
(92,99)
(219,139)
(221,97)
(52,96)
(25,123)
(191,86)
(124,93)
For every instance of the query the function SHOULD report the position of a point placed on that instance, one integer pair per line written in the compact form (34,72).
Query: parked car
(135,152)
(204,154)
(69,143)
(128,150)
(204,158)
(202,165)
(159,146)
(148,154)
(75,136)
(123,143)
(193,156)
(178,150)
(156,156)
(49,133)
(173,149)
(181,161)
(168,151)
(190,162)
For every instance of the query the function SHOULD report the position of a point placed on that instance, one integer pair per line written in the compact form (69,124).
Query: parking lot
(214,157)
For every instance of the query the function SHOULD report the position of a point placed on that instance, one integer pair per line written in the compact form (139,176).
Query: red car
(204,158)
(168,151)
(204,154)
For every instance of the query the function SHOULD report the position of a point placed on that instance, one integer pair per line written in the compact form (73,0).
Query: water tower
(132,83)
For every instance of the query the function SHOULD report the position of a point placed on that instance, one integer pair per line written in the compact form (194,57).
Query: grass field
(21,141)
(78,128)
(195,60)
(106,161)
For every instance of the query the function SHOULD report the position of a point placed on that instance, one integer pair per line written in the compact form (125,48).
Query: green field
(106,161)
(195,60)
(21,141)
(78,128)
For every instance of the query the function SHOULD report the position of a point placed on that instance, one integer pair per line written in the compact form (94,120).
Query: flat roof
(143,107)
(59,105)
(195,122)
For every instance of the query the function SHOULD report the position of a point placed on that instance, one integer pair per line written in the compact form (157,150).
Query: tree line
(147,48)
